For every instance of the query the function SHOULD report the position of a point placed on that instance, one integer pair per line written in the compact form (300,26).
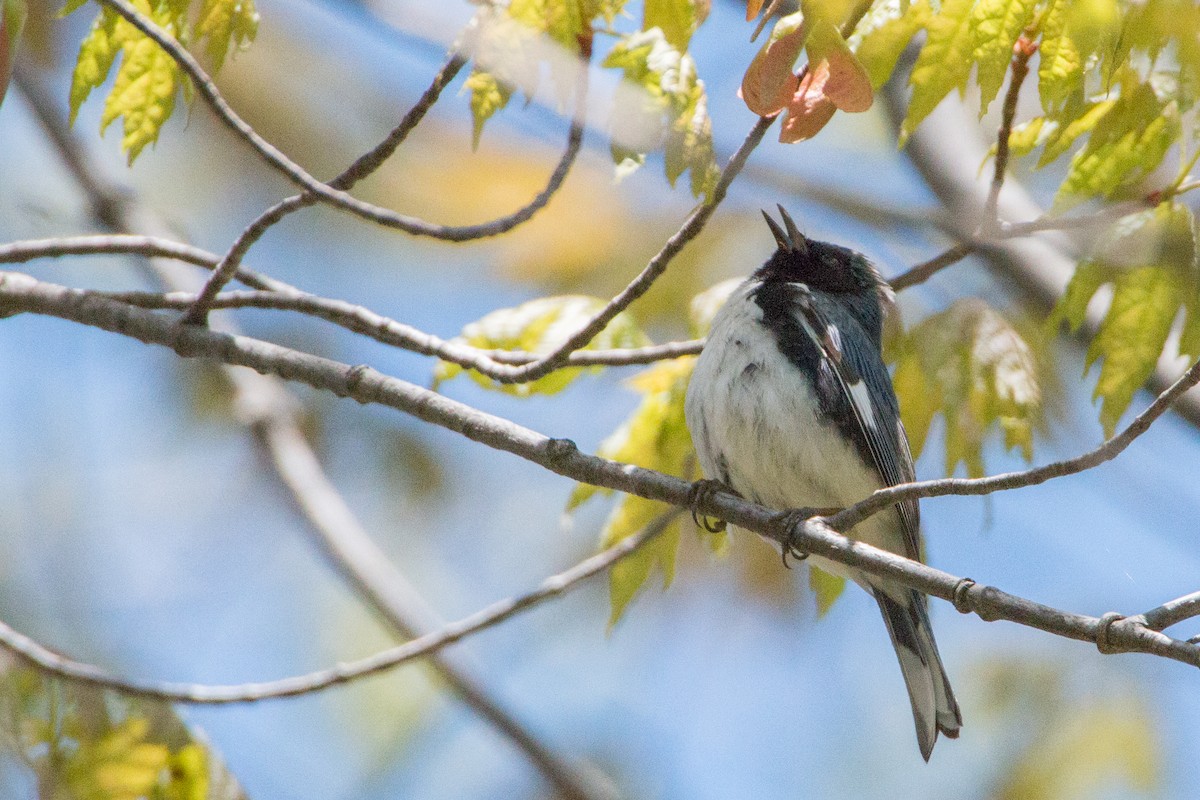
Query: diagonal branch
(1110,633)
(262,404)
(48,661)
(1110,449)
(374,159)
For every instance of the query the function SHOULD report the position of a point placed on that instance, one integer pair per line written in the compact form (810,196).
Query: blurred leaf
(662,103)
(1088,751)
(1060,72)
(705,306)
(654,436)
(12,20)
(1128,141)
(826,587)
(487,97)
(96,745)
(678,19)
(226,24)
(1150,260)
(1067,130)
(944,62)
(769,82)
(539,326)
(972,366)
(997,24)
(883,34)
(848,85)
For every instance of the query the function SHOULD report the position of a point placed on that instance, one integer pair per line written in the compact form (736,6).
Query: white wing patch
(860,396)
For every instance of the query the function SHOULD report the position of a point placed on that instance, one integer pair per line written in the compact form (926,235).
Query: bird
(790,406)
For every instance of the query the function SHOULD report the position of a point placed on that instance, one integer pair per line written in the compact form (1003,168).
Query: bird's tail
(933,704)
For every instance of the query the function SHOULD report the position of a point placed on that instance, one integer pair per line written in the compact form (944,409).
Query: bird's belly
(756,424)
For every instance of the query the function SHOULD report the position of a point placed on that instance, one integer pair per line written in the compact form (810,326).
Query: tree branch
(1111,633)
(261,403)
(272,155)
(1023,50)
(368,163)
(48,661)
(691,228)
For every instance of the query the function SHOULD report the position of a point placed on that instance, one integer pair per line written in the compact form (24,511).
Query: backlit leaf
(827,588)
(226,24)
(678,19)
(944,63)
(12,19)
(848,85)
(539,326)
(144,90)
(1150,261)
(997,24)
(769,82)
(1066,133)
(1128,141)
(661,103)
(1060,73)
(974,368)
(883,34)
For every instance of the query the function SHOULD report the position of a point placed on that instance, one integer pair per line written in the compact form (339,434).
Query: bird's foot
(789,523)
(701,490)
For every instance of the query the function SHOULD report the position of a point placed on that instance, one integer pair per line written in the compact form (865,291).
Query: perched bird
(791,406)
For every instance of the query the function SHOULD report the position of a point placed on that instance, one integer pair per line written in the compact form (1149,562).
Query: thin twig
(50,662)
(362,320)
(1110,449)
(262,404)
(645,279)
(371,161)
(272,155)
(22,293)
(926,270)
(1023,50)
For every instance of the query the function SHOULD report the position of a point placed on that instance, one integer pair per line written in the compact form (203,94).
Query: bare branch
(847,519)
(398,334)
(1023,50)
(1110,633)
(261,403)
(927,269)
(374,159)
(272,155)
(48,661)
(1171,612)
(645,279)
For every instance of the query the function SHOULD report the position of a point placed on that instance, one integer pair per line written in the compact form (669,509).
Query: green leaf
(539,326)
(1060,73)
(488,96)
(826,587)
(654,436)
(143,92)
(663,103)
(883,34)
(944,63)
(678,20)
(997,25)
(1127,142)
(226,24)
(1150,261)
(972,366)
(1068,129)
(96,55)
(71,6)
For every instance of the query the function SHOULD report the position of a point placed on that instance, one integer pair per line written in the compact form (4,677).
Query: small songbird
(791,406)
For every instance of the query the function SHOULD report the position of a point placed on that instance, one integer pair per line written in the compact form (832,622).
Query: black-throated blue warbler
(790,405)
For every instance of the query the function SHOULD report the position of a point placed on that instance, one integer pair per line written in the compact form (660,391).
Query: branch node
(355,377)
(559,449)
(1104,641)
(986,604)
(962,596)
(1194,639)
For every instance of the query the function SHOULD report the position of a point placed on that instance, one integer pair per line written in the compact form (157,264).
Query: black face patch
(823,267)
